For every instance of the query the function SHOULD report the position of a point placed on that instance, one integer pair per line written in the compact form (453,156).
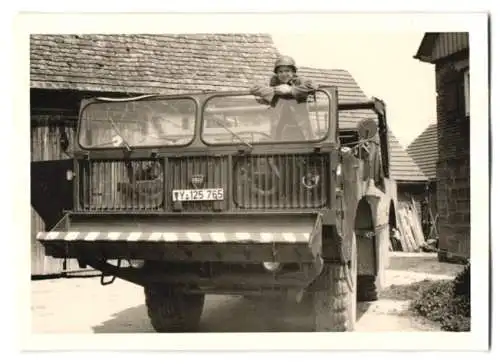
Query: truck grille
(281,181)
(257,182)
(205,172)
(116,185)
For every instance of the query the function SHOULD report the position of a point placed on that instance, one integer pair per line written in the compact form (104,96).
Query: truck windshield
(136,123)
(238,119)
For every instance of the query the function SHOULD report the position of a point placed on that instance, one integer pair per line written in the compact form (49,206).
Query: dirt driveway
(82,305)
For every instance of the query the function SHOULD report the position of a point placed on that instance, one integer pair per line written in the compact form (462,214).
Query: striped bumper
(184,237)
(207,238)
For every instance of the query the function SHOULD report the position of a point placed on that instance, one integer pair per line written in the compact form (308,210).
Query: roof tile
(145,63)
(424,150)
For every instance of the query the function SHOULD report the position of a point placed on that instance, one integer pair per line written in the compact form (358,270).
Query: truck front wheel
(171,310)
(334,295)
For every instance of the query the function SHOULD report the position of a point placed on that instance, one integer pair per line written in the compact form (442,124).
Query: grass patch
(446,302)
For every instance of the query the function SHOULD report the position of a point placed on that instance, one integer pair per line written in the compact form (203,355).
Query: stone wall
(453,166)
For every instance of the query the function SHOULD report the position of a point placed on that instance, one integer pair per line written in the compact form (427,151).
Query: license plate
(206,194)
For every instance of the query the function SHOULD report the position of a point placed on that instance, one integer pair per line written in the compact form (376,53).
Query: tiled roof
(403,167)
(424,150)
(150,63)
(154,63)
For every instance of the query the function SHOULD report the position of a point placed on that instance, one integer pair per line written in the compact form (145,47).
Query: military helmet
(285,61)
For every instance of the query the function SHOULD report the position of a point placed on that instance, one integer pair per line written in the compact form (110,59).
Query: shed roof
(437,46)
(424,150)
(152,63)
(424,52)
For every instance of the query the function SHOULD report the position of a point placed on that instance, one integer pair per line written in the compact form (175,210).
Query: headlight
(272,266)
(136,263)
(69,175)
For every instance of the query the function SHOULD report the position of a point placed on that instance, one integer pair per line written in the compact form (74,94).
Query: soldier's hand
(283,89)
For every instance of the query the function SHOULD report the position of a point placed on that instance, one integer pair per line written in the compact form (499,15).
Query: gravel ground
(82,305)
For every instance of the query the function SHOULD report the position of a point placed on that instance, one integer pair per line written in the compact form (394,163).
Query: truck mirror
(367,129)
(63,139)
(64,142)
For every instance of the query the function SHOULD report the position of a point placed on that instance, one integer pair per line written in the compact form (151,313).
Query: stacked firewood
(409,236)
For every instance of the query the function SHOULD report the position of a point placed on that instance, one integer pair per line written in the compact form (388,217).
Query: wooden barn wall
(52,113)
(47,125)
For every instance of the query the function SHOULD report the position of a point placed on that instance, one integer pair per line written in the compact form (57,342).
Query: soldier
(285,84)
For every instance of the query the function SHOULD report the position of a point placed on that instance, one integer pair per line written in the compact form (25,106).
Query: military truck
(223,193)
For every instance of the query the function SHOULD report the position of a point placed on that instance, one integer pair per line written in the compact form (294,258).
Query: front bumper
(273,237)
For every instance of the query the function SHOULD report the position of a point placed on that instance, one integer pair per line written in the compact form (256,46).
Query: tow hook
(113,277)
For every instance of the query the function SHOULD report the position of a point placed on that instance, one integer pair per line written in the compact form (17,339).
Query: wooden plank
(411,229)
(410,239)
(418,226)
(406,233)
(401,234)
(403,230)
(409,219)
(414,229)
(407,229)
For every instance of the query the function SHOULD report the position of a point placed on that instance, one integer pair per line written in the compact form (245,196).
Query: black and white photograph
(266,179)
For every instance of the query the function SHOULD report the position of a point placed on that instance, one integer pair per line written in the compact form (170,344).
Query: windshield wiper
(117,131)
(233,133)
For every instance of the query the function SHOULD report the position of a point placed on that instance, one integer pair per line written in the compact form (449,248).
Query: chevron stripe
(218,237)
(134,236)
(170,237)
(193,237)
(266,237)
(91,236)
(72,235)
(157,236)
(52,235)
(114,235)
(289,237)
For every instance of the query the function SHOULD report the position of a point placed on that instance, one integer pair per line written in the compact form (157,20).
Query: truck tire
(171,310)
(334,296)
